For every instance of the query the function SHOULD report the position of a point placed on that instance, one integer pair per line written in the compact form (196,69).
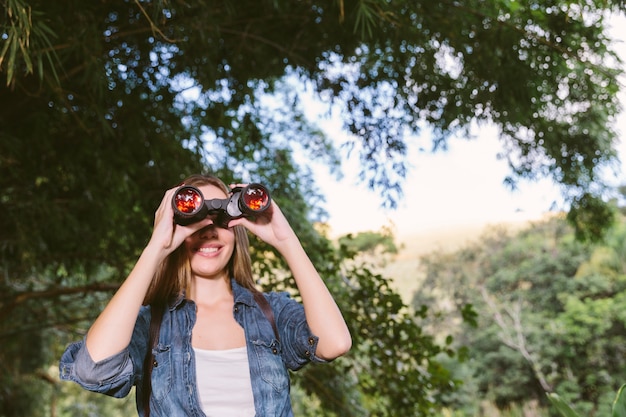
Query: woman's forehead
(211,191)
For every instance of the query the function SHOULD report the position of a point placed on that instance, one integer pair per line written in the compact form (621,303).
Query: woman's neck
(210,290)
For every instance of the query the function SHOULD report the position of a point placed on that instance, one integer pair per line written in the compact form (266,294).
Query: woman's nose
(208,232)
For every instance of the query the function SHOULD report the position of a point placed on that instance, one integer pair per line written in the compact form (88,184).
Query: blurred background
(454,170)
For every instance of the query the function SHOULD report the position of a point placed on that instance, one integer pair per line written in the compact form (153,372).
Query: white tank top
(224,384)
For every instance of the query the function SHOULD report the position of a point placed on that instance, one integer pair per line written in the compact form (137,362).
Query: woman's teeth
(208,250)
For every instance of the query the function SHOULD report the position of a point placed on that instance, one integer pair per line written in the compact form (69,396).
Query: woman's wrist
(153,253)
(288,245)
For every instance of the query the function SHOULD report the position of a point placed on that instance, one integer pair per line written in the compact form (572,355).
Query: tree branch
(513,335)
(21,298)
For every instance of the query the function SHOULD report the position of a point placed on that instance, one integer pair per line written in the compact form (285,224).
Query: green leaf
(619,405)
(561,406)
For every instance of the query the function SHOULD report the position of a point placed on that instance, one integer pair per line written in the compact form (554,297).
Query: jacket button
(307,353)
(155,363)
(274,351)
(311,341)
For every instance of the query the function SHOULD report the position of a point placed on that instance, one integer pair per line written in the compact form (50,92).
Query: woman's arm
(113,329)
(322,313)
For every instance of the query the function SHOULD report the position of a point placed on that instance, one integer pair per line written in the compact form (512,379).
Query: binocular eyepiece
(191,207)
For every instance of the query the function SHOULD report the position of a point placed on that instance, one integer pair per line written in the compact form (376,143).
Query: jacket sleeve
(297,341)
(115,375)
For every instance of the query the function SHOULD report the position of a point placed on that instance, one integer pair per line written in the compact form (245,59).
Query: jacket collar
(240,294)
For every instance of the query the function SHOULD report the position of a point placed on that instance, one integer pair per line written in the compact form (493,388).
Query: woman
(188,329)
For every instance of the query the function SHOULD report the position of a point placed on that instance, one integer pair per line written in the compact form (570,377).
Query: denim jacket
(174,389)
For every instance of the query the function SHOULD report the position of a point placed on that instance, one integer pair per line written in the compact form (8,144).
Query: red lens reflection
(256,199)
(188,200)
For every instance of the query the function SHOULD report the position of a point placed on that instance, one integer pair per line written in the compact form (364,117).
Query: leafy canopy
(107,103)
(542,71)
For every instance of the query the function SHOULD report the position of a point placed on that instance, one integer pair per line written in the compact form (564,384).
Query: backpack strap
(156,316)
(267,310)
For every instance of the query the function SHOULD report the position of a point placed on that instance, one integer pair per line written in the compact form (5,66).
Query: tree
(543,72)
(549,313)
(378,247)
(106,103)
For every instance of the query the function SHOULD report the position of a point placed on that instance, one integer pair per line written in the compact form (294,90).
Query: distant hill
(405,268)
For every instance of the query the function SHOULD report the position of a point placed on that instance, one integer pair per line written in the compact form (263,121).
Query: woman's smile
(211,249)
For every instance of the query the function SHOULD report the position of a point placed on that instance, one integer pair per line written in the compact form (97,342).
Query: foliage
(368,242)
(395,361)
(389,67)
(392,357)
(588,214)
(550,313)
(106,104)
(619,405)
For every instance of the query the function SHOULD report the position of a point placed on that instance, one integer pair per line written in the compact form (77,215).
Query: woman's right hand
(166,234)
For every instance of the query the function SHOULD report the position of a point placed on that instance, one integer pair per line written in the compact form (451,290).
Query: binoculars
(191,207)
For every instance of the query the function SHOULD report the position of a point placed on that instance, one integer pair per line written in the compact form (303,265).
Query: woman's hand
(166,234)
(271,226)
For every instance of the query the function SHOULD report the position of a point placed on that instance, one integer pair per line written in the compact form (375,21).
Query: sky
(455,188)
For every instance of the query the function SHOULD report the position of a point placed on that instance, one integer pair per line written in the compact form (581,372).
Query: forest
(104,105)
(546,313)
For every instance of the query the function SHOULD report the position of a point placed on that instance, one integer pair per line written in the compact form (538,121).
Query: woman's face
(210,248)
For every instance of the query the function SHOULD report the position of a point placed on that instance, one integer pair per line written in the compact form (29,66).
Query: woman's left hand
(271,226)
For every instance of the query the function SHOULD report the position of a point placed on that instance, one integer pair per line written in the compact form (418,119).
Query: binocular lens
(256,198)
(188,200)
(190,206)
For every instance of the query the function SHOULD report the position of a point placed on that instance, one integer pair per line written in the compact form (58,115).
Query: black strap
(156,316)
(267,310)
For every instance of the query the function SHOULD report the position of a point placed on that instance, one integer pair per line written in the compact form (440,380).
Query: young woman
(188,329)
